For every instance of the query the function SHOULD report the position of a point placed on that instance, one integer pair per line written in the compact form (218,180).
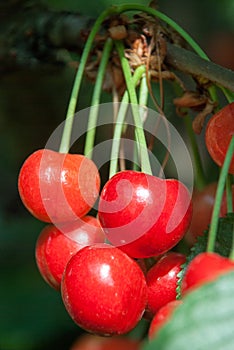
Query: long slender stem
(120,122)
(143,93)
(65,142)
(91,128)
(218,197)
(143,99)
(140,135)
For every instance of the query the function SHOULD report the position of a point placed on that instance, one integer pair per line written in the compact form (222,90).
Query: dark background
(32,104)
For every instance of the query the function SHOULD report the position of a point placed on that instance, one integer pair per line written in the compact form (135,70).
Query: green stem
(200,179)
(143,93)
(143,99)
(140,135)
(65,142)
(91,128)
(218,197)
(228,94)
(119,123)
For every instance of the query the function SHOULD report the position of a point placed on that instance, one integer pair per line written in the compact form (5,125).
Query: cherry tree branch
(35,35)
(190,63)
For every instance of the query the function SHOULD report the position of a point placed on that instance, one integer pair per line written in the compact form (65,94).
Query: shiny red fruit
(219,132)
(58,187)
(95,342)
(56,245)
(144,215)
(104,290)
(162,317)
(204,268)
(162,280)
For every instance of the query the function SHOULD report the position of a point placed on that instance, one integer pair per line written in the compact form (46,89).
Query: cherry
(162,317)
(219,131)
(204,268)
(162,280)
(95,342)
(104,290)
(203,203)
(144,215)
(55,246)
(58,187)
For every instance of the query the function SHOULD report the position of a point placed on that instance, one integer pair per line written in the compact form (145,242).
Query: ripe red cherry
(162,280)
(58,187)
(203,203)
(204,268)
(95,342)
(55,246)
(162,317)
(104,290)
(219,131)
(144,215)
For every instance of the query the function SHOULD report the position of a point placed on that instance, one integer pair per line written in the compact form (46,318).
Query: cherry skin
(143,215)
(162,317)
(104,290)
(55,246)
(95,342)
(204,268)
(58,187)
(203,203)
(219,131)
(162,280)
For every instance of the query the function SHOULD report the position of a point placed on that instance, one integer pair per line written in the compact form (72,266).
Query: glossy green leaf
(204,321)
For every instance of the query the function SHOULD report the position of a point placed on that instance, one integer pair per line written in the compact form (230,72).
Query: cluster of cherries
(100,264)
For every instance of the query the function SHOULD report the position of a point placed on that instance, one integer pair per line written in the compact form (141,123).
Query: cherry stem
(218,197)
(91,128)
(143,99)
(143,93)
(65,141)
(200,179)
(139,131)
(120,123)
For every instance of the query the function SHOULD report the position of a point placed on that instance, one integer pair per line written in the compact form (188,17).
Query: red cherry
(58,187)
(55,246)
(162,280)
(162,317)
(219,131)
(104,290)
(95,342)
(144,215)
(204,268)
(203,203)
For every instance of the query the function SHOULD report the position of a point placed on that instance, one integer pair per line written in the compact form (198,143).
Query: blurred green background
(32,104)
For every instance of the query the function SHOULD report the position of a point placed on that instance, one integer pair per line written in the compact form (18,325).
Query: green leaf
(223,244)
(204,321)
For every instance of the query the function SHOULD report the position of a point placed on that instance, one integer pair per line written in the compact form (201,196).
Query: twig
(190,63)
